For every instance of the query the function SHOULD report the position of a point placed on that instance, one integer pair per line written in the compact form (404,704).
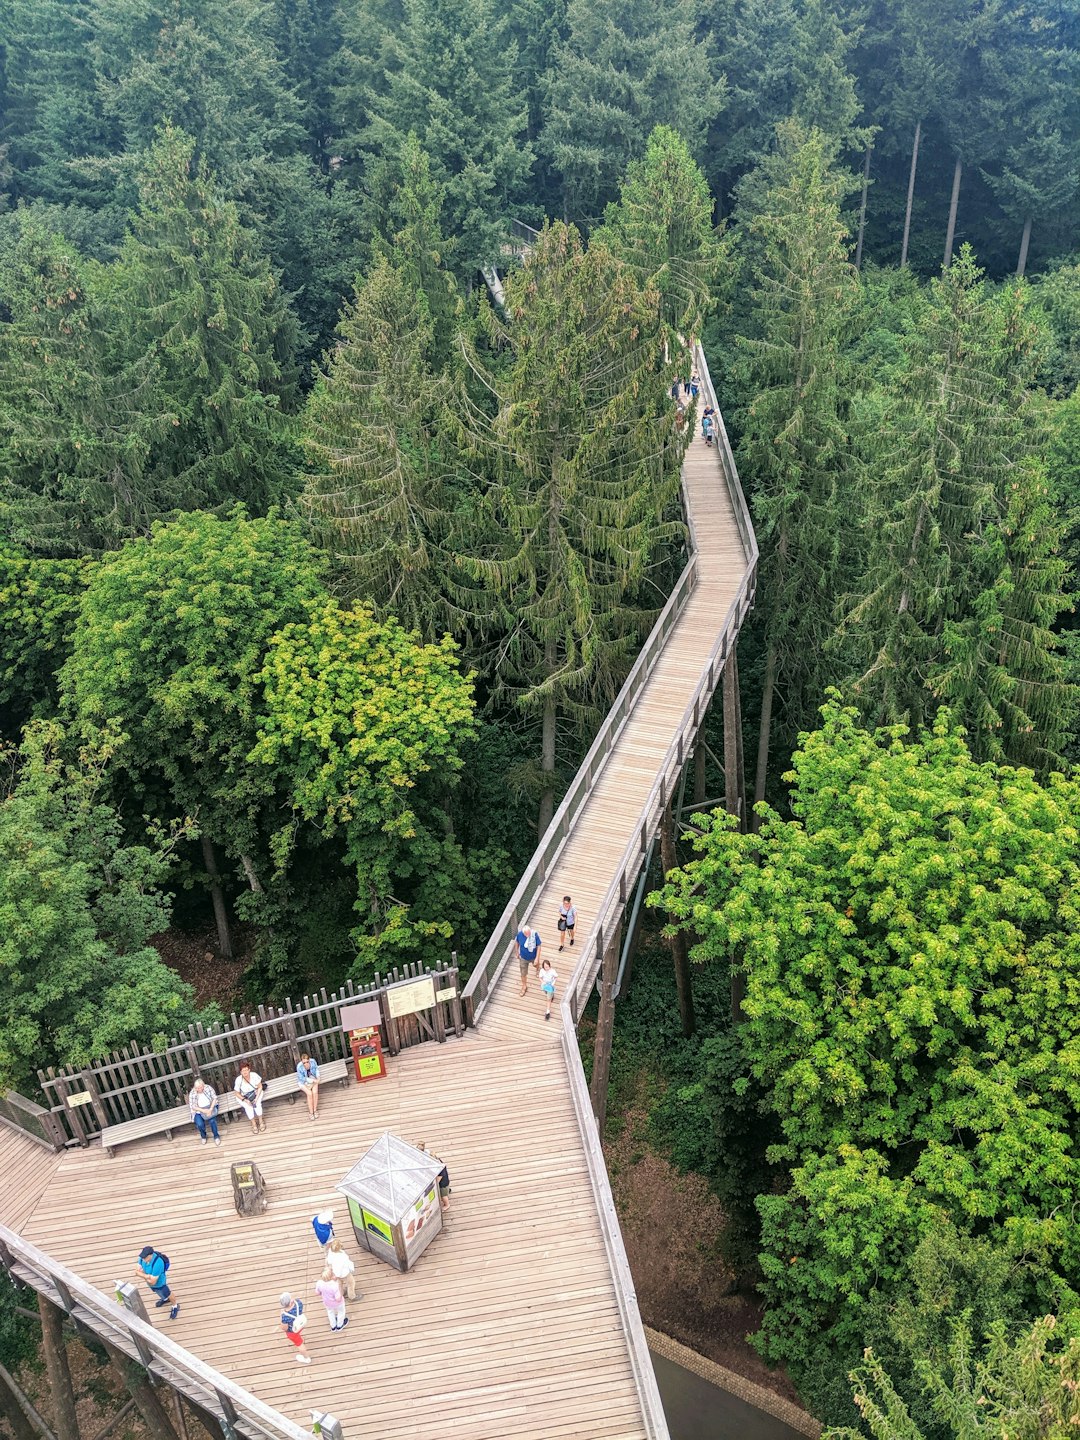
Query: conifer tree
(582,459)
(451,80)
(625,67)
(373,498)
(963,581)
(202,301)
(662,228)
(794,431)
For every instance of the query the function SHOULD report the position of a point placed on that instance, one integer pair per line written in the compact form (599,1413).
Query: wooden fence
(136,1081)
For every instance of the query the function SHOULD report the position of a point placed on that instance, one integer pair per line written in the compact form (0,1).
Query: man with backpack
(153,1264)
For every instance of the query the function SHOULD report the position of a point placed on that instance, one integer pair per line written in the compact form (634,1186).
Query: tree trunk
(252,875)
(547,765)
(953,203)
(56,1364)
(699,767)
(764,732)
(17,1410)
(217,895)
(605,1026)
(679,958)
(1025,241)
(910,192)
(734,779)
(862,204)
(138,1385)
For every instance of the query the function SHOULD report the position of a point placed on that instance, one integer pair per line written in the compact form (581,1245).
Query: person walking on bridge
(567,921)
(154,1264)
(528,944)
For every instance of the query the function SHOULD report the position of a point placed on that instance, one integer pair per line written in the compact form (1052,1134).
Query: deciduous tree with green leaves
(369,726)
(172,632)
(909,948)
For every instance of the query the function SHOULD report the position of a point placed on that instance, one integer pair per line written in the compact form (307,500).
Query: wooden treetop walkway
(520,1320)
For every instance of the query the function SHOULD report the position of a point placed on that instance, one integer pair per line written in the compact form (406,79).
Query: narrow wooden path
(510,1327)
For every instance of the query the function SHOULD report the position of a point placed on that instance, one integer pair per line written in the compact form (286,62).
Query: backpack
(160,1255)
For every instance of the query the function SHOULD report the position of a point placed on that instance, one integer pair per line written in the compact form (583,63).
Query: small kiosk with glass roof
(393,1195)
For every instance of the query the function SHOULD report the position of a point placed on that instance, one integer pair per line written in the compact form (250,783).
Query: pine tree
(794,430)
(79,419)
(662,228)
(202,301)
(625,67)
(452,83)
(583,463)
(963,581)
(374,497)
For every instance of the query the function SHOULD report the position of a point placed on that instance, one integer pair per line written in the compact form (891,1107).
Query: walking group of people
(529,946)
(250,1088)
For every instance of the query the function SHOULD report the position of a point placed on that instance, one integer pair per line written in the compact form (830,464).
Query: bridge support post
(605,1025)
(138,1384)
(56,1365)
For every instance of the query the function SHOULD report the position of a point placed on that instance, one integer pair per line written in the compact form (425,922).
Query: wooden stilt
(733,796)
(139,1386)
(56,1363)
(700,752)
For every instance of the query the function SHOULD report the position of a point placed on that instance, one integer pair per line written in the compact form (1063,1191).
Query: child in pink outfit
(330,1293)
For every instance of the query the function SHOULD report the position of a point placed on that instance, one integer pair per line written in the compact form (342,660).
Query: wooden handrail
(233,1406)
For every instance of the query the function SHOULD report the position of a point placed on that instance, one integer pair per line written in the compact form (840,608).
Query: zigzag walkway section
(520,1320)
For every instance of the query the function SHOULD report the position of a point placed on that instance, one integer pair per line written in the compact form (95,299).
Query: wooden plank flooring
(509,1325)
(27,1169)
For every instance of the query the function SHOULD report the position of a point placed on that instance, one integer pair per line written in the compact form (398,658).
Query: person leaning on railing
(203,1106)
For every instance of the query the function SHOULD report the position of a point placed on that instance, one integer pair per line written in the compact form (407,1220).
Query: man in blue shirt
(154,1265)
(528,944)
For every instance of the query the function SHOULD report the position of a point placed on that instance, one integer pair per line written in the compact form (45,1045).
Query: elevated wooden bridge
(521,1321)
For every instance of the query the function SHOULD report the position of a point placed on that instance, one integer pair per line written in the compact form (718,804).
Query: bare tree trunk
(605,1027)
(910,192)
(765,730)
(139,1387)
(734,776)
(1025,242)
(699,768)
(252,875)
(17,1410)
(862,204)
(679,958)
(217,896)
(547,765)
(56,1364)
(953,203)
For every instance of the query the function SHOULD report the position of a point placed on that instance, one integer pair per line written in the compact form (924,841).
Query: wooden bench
(166,1121)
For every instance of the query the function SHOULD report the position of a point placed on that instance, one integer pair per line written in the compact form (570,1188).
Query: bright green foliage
(963,580)
(77,905)
(910,952)
(39,600)
(171,636)
(357,713)
(584,459)
(1025,1388)
(199,297)
(82,414)
(374,496)
(452,83)
(795,441)
(625,67)
(662,228)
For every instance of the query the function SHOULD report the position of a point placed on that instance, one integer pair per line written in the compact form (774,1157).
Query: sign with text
(411,996)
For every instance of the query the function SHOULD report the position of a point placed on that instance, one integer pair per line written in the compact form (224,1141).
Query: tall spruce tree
(794,440)
(582,458)
(625,67)
(662,228)
(963,581)
(451,80)
(202,301)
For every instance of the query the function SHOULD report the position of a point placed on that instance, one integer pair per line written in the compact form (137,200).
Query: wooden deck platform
(509,1327)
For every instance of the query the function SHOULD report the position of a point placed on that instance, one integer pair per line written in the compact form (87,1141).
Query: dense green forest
(318,570)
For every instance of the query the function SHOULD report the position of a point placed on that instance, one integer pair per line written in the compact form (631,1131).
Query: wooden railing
(134,1082)
(236,1409)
